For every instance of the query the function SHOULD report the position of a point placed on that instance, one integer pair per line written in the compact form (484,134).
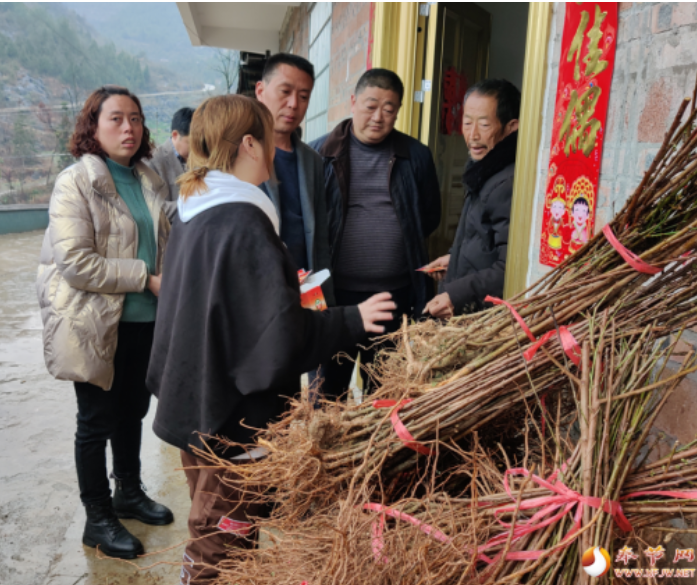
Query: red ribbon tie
(568,342)
(629,257)
(402,432)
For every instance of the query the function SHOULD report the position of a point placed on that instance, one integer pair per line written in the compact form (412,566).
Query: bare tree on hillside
(61,134)
(227,64)
(6,168)
(73,94)
(24,147)
(45,116)
(8,174)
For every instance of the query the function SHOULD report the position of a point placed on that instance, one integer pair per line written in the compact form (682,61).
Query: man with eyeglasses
(383,201)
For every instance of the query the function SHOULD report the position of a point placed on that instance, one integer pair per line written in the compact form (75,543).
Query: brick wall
(350,32)
(655,68)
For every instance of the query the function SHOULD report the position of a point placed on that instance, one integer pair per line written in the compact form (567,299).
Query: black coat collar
(502,155)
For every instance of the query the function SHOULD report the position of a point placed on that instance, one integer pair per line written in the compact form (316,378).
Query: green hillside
(52,55)
(49,45)
(156,31)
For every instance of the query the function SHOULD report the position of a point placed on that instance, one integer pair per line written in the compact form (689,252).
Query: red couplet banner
(585,76)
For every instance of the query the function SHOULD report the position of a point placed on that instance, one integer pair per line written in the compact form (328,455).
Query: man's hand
(377,308)
(442,262)
(440,307)
(154,284)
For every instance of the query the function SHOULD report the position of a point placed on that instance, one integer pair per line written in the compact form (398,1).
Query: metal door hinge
(420,95)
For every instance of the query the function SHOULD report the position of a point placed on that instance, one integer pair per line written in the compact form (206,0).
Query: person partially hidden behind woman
(231,339)
(98,283)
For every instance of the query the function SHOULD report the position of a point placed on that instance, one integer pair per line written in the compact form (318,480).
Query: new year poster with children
(585,75)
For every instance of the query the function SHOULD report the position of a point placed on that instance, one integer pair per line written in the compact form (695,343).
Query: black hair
(507,97)
(581,200)
(296,61)
(382,78)
(181,121)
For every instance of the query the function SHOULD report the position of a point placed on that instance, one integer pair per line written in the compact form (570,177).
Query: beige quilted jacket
(88,261)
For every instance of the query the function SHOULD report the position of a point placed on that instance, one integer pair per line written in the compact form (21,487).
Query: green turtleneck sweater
(137,307)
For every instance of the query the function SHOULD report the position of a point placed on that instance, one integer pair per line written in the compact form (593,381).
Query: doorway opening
(464,43)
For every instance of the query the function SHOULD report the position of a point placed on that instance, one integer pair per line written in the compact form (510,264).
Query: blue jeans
(115,415)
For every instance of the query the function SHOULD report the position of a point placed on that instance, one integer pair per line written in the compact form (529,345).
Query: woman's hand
(442,263)
(154,284)
(379,307)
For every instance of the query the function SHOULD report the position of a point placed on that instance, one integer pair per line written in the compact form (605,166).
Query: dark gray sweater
(372,253)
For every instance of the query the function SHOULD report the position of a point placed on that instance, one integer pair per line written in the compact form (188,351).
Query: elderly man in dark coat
(476,265)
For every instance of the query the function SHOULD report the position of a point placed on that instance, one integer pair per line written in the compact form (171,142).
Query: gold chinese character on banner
(594,65)
(579,127)
(576,44)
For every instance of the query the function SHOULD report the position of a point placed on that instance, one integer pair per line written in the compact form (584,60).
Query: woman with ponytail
(232,340)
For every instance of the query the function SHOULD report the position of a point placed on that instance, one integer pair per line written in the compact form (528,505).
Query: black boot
(131,501)
(104,530)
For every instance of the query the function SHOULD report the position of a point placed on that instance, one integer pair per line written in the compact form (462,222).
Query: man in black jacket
(383,201)
(298,192)
(476,264)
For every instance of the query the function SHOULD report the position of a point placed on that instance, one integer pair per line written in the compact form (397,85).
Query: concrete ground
(41,519)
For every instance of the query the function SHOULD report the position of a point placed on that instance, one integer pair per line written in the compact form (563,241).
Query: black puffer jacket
(478,255)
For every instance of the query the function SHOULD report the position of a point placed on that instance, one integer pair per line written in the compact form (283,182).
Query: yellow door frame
(529,136)
(395,47)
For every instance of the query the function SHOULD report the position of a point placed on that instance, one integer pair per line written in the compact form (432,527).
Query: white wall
(508,30)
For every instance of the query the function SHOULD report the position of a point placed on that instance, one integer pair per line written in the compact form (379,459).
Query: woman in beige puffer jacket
(98,281)
(87,264)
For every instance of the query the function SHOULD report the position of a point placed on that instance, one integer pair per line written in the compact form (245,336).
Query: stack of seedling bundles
(499,446)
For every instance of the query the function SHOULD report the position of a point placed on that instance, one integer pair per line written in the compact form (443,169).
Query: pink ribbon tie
(402,432)
(629,257)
